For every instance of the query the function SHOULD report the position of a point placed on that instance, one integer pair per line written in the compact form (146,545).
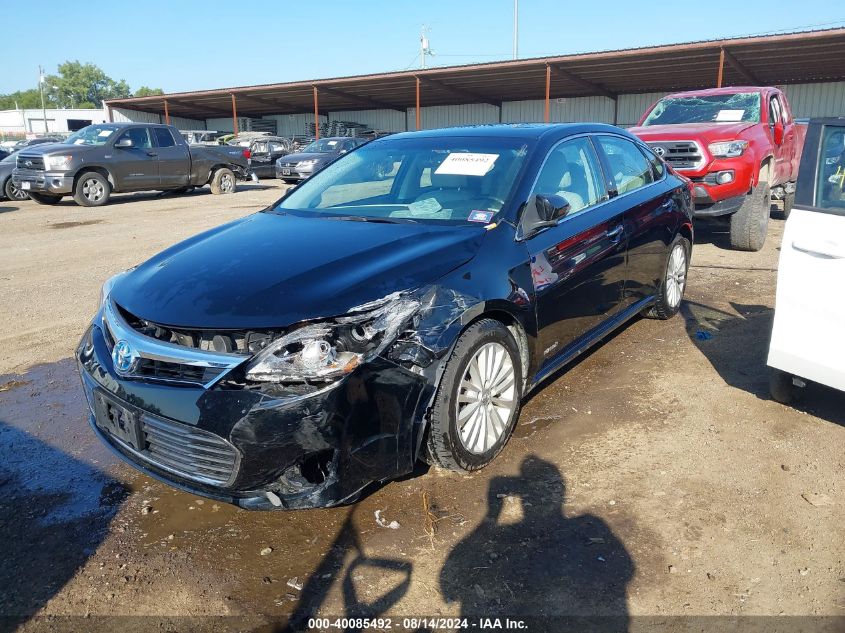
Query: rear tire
(788,203)
(750,223)
(44,198)
(223,181)
(12,192)
(670,295)
(469,426)
(92,189)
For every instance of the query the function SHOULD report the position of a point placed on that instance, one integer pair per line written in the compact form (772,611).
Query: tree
(81,85)
(21,99)
(144,91)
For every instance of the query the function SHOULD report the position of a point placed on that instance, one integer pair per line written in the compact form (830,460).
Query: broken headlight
(326,351)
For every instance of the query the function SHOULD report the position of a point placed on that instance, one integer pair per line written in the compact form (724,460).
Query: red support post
(166,113)
(548,92)
(721,67)
(234,114)
(316,115)
(417,117)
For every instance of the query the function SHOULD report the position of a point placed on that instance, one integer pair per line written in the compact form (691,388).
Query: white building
(30,122)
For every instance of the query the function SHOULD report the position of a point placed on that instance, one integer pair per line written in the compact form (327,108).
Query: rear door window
(164,137)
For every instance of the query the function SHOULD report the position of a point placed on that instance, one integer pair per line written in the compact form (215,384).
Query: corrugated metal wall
(820,99)
(631,107)
(599,109)
(384,120)
(121,115)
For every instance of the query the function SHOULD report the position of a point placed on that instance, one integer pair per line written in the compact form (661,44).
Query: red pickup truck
(739,146)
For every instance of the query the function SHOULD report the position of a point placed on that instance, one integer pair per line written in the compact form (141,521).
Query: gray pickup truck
(104,158)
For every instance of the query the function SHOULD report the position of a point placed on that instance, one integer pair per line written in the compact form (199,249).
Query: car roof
(533,131)
(729,90)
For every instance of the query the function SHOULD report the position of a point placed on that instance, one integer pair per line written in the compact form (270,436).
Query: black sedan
(313,157)
(265,151)
(373,317)
(8,189)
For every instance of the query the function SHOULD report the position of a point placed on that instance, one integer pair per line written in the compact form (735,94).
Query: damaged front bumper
(260,448)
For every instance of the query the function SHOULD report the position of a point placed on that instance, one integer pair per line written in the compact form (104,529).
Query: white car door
(808,335)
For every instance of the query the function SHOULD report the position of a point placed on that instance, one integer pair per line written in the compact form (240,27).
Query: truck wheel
(12,192)
(788,202)
(478,400)
(223,181)
(44,198)
(91,190)
(751,221)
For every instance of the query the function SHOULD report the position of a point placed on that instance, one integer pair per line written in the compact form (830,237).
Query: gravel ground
(655,477)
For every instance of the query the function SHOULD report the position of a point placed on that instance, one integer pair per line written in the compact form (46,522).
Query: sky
(192,45)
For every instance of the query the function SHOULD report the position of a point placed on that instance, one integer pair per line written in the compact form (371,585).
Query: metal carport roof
(801,57)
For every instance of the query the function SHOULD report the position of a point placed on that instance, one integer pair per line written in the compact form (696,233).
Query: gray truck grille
(679,154)
(30,162)
(188,452)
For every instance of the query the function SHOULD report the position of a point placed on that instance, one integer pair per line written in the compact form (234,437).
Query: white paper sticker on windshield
(332,143)
(730,115)
(424,207)
(466,164)
(105,133)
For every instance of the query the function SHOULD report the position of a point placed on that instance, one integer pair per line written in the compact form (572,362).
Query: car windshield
(727,108)
(323,146)
(446,180)
(92,135)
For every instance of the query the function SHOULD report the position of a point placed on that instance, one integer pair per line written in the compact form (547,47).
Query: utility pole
(515,29)
(425,49)
(41,89)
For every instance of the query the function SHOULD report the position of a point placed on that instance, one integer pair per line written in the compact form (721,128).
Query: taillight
(247,153)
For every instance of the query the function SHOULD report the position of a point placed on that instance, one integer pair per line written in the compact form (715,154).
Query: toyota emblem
(27,163)
(125,358)
(660,151)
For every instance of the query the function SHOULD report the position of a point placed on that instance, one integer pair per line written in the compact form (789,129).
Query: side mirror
(777,133)
(124,143)
(541,211)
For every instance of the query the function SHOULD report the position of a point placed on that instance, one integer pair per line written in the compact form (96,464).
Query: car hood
(705,132)
(321,156)
(270,271)
(43,149)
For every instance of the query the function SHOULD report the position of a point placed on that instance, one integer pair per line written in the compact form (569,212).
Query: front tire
(12,192)
(670,295)
(478,401)
(750,223)
(91,190)
(44,198)
(223,181)
(788,203)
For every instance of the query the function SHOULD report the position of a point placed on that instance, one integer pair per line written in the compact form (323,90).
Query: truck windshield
(92,135)
(454,180)
(726,108)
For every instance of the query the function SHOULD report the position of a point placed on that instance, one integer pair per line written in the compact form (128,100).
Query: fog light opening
(724,177)
(315,469)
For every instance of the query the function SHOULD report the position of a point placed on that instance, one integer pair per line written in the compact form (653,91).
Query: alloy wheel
(486,398)
(17,193)
(227,183)
(93,190)
(676,276)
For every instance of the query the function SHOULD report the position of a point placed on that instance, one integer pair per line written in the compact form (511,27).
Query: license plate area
(117,420)
(26,185)
(285,172)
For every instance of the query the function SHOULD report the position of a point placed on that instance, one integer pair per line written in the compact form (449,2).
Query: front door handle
(153,154)
(616,234)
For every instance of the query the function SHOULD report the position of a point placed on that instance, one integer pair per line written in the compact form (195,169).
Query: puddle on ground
(70,225)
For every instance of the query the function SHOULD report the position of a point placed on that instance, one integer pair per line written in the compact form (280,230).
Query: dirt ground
(654,478)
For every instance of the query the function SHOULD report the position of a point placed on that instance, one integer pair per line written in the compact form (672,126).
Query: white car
(807,336)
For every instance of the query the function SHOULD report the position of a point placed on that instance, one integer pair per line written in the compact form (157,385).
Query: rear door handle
(616,234)
(831,250)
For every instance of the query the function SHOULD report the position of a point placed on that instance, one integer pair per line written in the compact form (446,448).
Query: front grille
(30,162)
(176,372)
(188,452)
(679,154)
